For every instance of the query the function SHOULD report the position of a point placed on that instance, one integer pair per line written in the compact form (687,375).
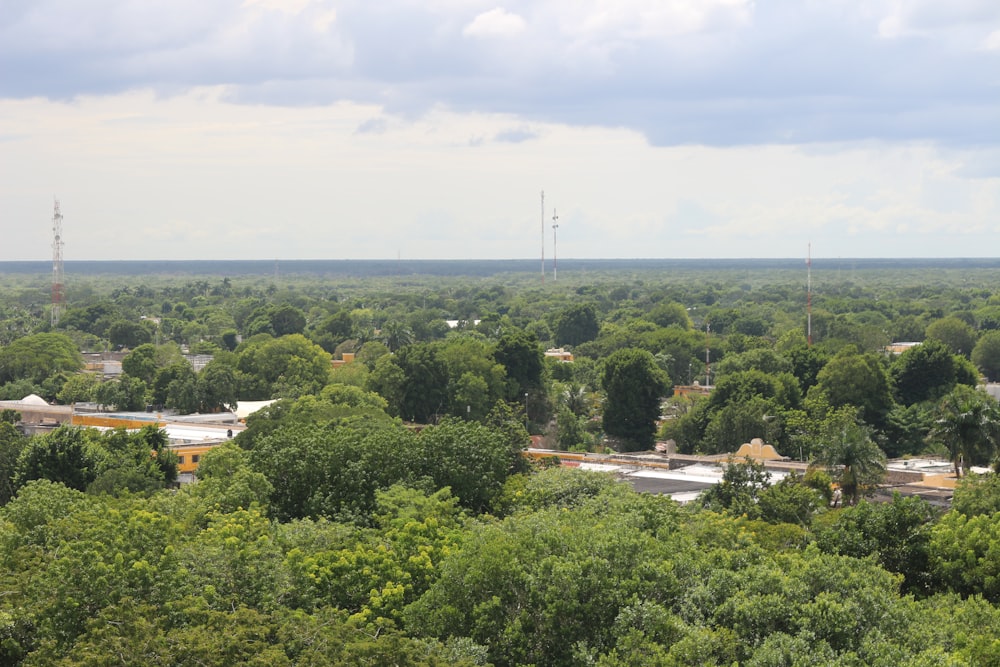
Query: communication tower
(58,291)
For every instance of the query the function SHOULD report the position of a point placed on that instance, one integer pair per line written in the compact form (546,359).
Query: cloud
(515,135)
(495,23)
(372,126)
(717,72)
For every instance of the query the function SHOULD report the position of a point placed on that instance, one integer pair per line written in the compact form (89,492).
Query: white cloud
(992,42)
(497,22)
(224,180)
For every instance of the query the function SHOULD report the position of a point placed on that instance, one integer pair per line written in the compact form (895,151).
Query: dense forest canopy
(380,511)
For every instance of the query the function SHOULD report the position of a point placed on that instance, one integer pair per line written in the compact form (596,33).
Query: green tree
(388,380)
(576,324)
(78,388)
(12,443)
(851,457)
(521,355)
(896,534)
(986,355)
(217,387)
(425,391)
(742,484)
(39,356)
(967,423)
(141,363)
(289,366)
(633,386)
(977,494)
(68,454)
(955,333)
(128,334)
(859,380)
(924,372)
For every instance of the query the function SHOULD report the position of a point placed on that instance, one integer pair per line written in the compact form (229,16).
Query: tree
(78,388)
(12,443)
(425,392)
(633,386)
(742,484)
(851,457)
(576,324)
(388,380)
(897,534)
(289,366)
(141,363)
(986,355)
(859,380)
(521,355)
(924,372)
(39,356)
(217,387)
(953,332)
(128,334)
(968,424)
(69,455)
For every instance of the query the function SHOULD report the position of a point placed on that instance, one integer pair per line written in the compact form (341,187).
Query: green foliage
(924,372)
(335,470)
(853,379)
(287,367)
(576,324)
(633,386)
(896,534)
(954,333)
(851,457)
(977,494)
(424,392)
(541,588)
(39,356)
(789,501)
(986,355)
(68,455)
(964,554)
(967,423)
(742,484)
(12,443)
(521,355)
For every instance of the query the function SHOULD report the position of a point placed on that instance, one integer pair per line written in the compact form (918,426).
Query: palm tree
(395,335)
(852,458)
(968,424)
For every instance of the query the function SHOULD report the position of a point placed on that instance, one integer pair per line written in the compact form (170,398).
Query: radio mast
(58,292)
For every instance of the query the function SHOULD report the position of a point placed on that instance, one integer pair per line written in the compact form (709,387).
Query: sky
(428,129)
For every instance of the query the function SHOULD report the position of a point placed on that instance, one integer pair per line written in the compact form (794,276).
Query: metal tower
(58,293)
(555,257)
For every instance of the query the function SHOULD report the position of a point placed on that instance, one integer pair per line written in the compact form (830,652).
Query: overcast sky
(427,129)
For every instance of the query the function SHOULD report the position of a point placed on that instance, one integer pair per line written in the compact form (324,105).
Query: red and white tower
(58,292)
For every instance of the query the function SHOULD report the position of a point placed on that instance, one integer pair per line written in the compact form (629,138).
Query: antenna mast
(555,260)
(809,298)
(58,292)
(543,236)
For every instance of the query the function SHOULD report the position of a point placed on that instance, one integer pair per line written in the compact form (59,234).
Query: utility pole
(58,290)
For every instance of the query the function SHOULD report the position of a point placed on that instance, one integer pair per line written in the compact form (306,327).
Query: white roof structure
(33,399)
